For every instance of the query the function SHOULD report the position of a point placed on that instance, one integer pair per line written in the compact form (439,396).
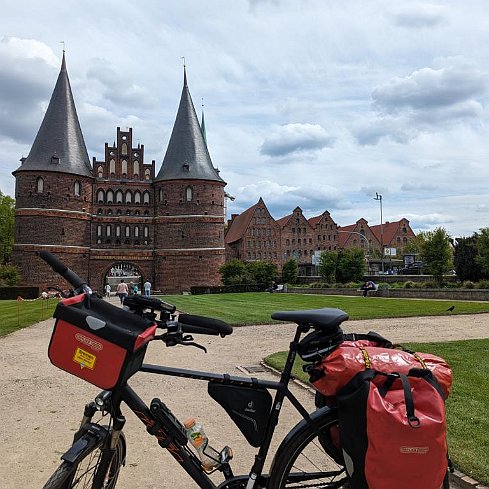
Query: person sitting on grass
(368,285)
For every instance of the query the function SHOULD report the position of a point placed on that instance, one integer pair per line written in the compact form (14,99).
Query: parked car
(415,268)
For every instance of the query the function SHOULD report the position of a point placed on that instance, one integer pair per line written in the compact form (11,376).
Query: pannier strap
(366,358)
(413,420)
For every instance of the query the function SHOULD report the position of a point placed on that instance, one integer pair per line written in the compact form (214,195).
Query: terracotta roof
(239,225)
(343,237)
(187,157)
(314,220)
(59,145)
(283,220)
(389,231)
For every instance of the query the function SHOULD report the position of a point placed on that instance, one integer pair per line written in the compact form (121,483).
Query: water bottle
(198,438)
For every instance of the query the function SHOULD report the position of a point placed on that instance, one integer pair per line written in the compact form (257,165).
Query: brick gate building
(118,213)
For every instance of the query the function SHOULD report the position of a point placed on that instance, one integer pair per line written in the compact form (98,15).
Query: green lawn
(19,314)
(256,307)
(467,406)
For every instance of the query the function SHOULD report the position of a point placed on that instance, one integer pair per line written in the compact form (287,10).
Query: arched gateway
(123,271)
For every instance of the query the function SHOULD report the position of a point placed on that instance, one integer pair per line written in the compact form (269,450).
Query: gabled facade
(297,236)
(254,235)
(117,215)
(358,235)
(325,232)
(395,234)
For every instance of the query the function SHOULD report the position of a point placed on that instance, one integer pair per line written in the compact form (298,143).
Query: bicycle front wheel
(80,475)
(304,460)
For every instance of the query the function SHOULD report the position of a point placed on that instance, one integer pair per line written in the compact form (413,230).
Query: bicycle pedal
(168,421)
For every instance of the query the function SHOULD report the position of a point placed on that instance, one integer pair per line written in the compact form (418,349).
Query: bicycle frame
(180,452)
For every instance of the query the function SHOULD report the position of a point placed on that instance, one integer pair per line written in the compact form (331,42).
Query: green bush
(319,285)
(409,284)
(9,275)
(483,284)
(351,285)
(428,285)
(468,284)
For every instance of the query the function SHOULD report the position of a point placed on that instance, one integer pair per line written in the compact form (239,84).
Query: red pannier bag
(97,341)
(393,430)
(336,369)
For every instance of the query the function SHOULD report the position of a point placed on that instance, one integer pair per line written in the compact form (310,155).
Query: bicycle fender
(87,442)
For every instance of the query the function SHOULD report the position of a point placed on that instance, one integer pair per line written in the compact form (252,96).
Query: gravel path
(41,405)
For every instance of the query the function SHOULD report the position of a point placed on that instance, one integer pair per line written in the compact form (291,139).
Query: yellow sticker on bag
(84,358)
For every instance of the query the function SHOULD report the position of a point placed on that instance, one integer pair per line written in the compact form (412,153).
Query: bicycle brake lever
(192,343)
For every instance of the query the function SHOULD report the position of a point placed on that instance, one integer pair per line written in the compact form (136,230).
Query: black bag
(248,407)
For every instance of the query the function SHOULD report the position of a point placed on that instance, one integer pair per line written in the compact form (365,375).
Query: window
(128,197)
(136,232)
(100,196)
(118,231)
(108,231)
(40,185)
(118,196)
(161,195)
(146,197)
(147,174)
(146,231)
(124,168)
(99,230)
(137,197)
(124,149)
(100,172)
(112,166)
(77,189)
(110,197)
(136,168)
(128,232)
(188,194)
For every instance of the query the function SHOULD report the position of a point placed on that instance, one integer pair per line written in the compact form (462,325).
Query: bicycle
(309,456)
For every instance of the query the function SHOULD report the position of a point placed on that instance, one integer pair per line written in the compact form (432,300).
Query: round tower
(53,192)
(189,204)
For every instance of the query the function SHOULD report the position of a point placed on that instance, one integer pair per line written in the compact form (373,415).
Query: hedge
(10,293)
(222,289)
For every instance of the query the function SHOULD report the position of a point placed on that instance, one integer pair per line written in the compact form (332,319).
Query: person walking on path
(107,290)
(122,290)
(147,288)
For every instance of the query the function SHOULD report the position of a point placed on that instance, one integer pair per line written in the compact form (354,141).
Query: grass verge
(467,406)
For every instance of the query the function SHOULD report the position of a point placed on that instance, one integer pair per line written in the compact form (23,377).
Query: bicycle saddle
(327,319)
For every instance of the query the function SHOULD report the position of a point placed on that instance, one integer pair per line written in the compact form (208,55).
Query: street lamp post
(379,198)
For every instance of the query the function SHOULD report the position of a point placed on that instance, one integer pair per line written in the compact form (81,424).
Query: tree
(262,272)
(7,219)
(437,254)
(482,258)
(351,265)
(233,272)
(415,245)
(328,262)
(290,270)
(464,259)
(9,275)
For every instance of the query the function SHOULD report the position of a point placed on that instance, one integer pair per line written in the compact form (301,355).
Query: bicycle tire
(303,460)
(79,476)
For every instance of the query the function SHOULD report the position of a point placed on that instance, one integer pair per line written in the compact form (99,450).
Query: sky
(319,104)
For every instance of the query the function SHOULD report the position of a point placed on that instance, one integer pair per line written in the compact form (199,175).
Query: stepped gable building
(294,236)
(118,219)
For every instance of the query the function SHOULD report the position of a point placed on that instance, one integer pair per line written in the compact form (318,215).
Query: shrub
(428,285)
(317,285)
(9,275)
(483,284)
(351,285)
(409,284)
(468,284)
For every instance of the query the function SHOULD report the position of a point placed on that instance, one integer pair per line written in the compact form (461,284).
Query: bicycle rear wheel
(303,460)
(80,475)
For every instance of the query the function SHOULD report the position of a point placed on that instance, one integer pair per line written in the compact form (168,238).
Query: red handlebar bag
(393,432)
(97,341)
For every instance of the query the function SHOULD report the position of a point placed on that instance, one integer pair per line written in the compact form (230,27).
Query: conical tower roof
(187,157)
(59,145)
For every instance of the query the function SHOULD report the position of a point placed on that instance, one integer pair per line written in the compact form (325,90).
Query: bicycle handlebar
(142,302)
(59,267)
(203,325)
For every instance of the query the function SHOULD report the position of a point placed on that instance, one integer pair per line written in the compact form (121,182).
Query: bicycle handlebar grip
(59,267)
(204,325)
(152,303)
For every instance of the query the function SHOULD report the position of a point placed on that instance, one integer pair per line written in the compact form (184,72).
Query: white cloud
(296,138)
(419,15)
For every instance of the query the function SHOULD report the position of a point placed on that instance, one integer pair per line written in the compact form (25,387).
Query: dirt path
(41,405)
